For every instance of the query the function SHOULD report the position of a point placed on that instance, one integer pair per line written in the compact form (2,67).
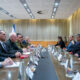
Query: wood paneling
(37,29)
(43,43)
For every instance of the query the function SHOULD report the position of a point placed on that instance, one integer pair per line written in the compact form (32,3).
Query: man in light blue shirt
(71,44)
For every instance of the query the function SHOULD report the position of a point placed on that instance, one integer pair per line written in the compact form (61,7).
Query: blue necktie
(4,46)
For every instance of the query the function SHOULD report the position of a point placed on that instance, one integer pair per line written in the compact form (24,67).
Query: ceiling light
(30,14)
(28,10)
(56,4)
(52,17)
(25,5)
(54,9)
(6,12)
(32,17)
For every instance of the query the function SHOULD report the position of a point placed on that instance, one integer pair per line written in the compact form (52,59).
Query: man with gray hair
(4,53)
(11,45)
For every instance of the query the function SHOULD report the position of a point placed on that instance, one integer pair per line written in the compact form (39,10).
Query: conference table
(60,70)
(15,72)
(48,69)
(44,71)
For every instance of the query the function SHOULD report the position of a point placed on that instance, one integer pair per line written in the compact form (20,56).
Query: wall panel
(37,29)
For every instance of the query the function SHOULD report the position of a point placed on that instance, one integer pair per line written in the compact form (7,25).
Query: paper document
(26,53)
(15,64)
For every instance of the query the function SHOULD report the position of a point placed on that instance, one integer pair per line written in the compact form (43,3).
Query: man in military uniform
(21,43)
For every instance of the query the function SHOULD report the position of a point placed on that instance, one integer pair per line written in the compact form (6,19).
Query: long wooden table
(60,69)
(45,70)
(13,73)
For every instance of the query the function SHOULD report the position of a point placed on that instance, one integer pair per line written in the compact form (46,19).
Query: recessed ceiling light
(52,17)
(28,10)
(56,4)
(32,17)
(30,14)
(5,12)
(25,5)
(54,9)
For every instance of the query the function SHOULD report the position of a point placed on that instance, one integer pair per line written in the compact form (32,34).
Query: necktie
(4,46)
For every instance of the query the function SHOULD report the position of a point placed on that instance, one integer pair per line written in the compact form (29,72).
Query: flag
(71,62)
(13,28)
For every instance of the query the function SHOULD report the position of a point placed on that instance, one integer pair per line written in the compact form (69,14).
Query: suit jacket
(5,53)
(12,47)
(61,44)
(76,48)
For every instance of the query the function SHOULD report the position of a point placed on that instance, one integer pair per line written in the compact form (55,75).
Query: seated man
(11,44)
(20,41)
(27,41)
(76,47)
(71,43)
(7,61)
(4,53)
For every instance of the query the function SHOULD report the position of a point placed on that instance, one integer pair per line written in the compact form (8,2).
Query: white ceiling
(14,7)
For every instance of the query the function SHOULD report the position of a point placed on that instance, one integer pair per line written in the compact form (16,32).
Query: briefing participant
(27,39)
(4,53)
(11,44)
(76,47)
(20,41)
(70,44)
(60,42)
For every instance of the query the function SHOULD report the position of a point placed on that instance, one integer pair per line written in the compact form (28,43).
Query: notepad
(59,57)
(27,53)
(15,64)
(29,72)
(52,51)
(77,76)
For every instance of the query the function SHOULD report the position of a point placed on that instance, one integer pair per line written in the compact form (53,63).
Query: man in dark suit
(4,52)
(11,44)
